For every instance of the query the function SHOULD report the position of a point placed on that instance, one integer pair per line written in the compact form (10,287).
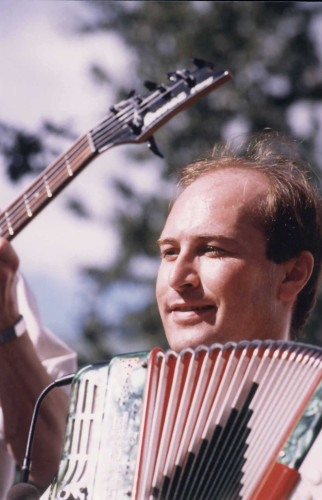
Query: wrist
(13,332)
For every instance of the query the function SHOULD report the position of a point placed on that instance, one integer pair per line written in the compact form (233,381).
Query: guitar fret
(48,190)
(91,142)
(35,199)
(27,206)
(9,225)
(68,167)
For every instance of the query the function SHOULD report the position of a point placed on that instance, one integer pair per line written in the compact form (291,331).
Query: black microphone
(25,490)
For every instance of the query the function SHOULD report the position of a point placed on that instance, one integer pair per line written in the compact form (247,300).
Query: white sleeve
(56,357)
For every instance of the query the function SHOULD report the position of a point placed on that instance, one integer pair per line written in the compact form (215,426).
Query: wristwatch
(13,332)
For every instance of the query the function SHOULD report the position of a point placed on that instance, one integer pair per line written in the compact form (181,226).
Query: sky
(45,75)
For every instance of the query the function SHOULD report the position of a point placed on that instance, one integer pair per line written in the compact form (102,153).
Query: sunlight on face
(215,283)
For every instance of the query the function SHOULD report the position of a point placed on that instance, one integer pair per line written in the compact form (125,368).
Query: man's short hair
(290,215)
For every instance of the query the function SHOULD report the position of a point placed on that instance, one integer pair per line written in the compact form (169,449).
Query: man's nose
(184,273)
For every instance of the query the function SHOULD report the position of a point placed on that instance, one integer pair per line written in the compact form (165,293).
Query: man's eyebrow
(201,237)
(165,241)
(219,237)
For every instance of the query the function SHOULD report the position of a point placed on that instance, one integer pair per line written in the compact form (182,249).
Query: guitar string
(152,98)
(37,193)
(49,174)
(127,114)
(35,190)
(103,133)
(18,210)
(26,201)
(144,104)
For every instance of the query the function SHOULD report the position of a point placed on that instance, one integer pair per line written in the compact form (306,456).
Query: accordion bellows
(227,422)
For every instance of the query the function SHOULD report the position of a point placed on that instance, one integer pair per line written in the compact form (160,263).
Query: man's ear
(297,272)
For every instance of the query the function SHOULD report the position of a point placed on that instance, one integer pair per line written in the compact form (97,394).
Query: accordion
(225,422)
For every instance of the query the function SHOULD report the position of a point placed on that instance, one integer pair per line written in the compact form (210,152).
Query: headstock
(136,118)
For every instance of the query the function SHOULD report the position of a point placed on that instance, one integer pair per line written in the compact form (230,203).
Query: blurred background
(90,256)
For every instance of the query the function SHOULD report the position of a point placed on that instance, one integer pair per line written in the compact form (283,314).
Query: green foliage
(21,151)
(25,152)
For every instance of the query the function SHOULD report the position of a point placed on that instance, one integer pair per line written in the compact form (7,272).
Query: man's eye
(214,250)
(168,253)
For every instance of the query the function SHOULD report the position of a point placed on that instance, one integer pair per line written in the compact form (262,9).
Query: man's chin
(182,338)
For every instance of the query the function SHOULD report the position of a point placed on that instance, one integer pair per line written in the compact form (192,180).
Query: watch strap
(13,332)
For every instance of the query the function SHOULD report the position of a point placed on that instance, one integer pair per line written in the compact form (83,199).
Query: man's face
(215,283)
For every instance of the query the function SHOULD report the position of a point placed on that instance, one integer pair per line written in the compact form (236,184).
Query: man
(30,357)
(239,260)
(241,248)
(241,256)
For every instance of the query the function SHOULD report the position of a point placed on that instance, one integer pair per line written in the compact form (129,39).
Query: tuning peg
(150,85)
(162,88)
(187,76)
(201,63)
(152,145)
(131,94)
(173,77)
(155,86)
(182,74)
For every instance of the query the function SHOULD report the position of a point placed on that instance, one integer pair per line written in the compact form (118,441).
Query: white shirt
(55,356)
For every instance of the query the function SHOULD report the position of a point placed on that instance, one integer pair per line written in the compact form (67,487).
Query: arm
(22,378)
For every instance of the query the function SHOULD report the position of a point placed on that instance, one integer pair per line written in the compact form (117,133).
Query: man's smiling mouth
(191,308)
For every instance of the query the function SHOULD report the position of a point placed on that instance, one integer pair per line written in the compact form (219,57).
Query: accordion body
(225,422)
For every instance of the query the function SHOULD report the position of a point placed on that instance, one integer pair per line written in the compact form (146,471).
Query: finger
(8,256)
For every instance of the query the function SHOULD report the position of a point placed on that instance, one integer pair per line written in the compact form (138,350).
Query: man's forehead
(228,187)
(226,198)
(233,179)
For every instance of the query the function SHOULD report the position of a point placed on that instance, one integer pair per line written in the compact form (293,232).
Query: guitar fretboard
(46,187)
